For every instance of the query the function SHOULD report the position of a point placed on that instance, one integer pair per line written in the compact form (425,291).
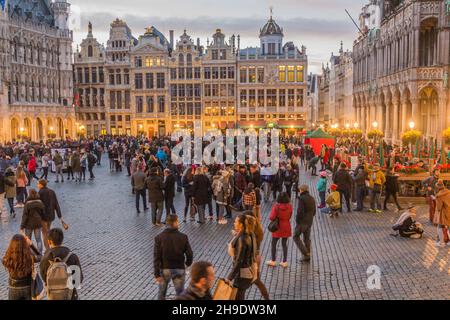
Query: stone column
(403,114)
(415,113)
(443,121)
(387,126)
(397,106)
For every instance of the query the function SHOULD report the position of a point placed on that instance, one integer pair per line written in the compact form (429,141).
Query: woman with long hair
(32,218)
(18,261)
(283,211)
(22,182)
(243,250)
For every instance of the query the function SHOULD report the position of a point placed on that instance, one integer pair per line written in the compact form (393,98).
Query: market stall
(318,138)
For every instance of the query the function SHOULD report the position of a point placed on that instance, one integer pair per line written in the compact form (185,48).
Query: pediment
(147,48)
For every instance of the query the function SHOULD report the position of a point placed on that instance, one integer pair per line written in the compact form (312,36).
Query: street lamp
(356,125)
(412,125)
(375,124)
(347,125)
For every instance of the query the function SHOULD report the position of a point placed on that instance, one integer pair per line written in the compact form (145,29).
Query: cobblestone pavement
(115,246)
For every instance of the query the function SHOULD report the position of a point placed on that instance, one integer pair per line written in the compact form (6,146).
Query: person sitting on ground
(407,226)
(333,202)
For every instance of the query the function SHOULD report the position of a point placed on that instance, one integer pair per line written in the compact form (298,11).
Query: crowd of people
(218,193)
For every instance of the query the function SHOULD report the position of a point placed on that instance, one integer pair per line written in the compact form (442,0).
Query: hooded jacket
(32,215)
(442,208)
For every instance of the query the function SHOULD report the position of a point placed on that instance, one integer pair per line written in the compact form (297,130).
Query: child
(407,226)
(322,189)
(249,197)
(334,203)
(21,182)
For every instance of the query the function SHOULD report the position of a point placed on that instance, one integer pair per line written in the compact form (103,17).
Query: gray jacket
(138,180)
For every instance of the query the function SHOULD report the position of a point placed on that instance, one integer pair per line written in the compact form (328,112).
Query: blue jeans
(322,198)
(20,197)
(37,237)
(177,276)
(201,213)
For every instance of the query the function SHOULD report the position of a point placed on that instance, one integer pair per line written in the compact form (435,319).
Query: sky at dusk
(320,25)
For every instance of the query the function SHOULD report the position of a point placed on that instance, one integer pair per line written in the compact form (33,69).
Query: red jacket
(32,164)
(284,212)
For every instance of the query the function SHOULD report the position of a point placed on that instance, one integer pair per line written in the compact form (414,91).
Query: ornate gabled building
(89,79)
(149,85)
(401,69)
(185,65)
(272,83)
(219,83)
(36,71)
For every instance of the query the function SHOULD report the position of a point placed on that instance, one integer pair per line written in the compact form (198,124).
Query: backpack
(91,159)
(218,185)
(57,279)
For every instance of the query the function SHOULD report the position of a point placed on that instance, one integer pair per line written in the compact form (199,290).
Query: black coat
(172,251)
(169,187)
(201,189)
(51,204)
(391,183)
(306,209)
(255,178)
(155,188)
(2,183)
(343,180)
(32,215)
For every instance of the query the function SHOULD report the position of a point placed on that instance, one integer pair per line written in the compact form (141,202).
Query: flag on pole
(3,4)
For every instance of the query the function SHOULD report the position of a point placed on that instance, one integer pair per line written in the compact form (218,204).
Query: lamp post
(412,125)
(356,125)
(22,130)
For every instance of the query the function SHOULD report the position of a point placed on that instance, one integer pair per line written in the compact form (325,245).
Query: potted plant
(375,133)
(411,137)
(446,135)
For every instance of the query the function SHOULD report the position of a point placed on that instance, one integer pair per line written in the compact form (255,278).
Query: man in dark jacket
(202,280)
(172,253)
(169,192)
(304,219)
(57,250)
(51,204)
(360,179)
(139,188)
(201,192)
(343,180)
(155,186)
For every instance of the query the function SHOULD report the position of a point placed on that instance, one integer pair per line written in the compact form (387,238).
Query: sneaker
(271,263)
(284,264)
(440,245)
(372,210)
(378,211)
(305,259)
(224,221)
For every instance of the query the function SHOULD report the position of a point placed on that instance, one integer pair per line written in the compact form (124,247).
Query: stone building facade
(401,69)
(36,85)
(272,83)
(337,84)
(154,86)
(89,74)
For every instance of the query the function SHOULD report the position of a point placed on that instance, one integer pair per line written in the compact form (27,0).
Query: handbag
(224,291)
(37,285)
(274,225)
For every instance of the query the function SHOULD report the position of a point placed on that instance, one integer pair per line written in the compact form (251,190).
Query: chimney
(198,45)
(171,39)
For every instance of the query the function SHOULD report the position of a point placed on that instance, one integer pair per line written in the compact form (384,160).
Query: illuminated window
(299,73)
(252,74)
(148,62)
(158,62)
(243,75)
(261,75)
(282,73)
(244,98)
(291,74)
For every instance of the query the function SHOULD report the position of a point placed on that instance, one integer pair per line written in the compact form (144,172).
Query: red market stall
(317,138)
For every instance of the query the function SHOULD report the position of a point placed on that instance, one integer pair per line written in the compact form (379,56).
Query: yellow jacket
(334,200)
(376,177)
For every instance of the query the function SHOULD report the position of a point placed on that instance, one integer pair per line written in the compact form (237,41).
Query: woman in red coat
(283,211)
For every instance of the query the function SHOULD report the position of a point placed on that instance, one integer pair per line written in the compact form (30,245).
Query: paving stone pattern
(115,246)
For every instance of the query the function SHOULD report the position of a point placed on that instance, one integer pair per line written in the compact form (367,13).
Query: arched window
(90,51)
(428,43)
(181,59)
(189,59)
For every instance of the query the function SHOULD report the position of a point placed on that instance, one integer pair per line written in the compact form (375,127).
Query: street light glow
(347,125)
(356,125)
(412,125)
(375,124)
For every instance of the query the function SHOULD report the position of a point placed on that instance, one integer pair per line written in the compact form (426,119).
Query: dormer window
(90,51)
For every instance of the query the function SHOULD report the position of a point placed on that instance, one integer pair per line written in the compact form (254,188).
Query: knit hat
(323,174)
(333,187)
